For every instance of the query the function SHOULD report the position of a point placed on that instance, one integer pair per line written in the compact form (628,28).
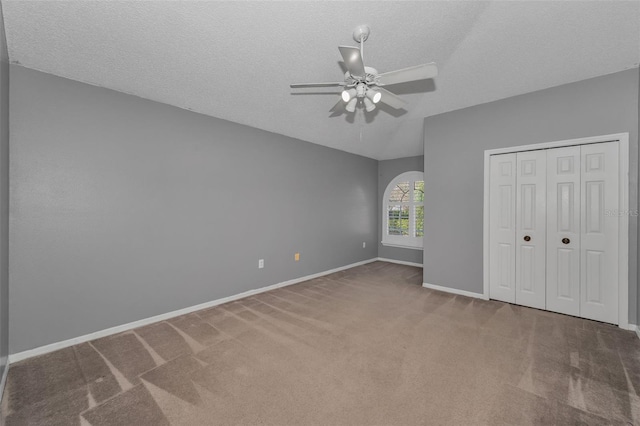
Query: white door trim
(623,241)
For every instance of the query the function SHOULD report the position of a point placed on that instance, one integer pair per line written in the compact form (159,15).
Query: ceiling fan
(365,83)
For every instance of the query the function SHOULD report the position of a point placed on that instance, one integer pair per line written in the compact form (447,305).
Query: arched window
(403,211)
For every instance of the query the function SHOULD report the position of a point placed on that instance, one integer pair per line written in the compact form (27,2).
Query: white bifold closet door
(552,244)
(517,228)
(502,226)
(531,218)
(599,195)
(563,230)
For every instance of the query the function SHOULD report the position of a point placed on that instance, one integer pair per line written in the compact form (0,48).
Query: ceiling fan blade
(353,60)
(419,72)
(391,99)
(300,85)
(337,109)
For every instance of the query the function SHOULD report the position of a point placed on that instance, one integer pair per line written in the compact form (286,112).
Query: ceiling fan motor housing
(370,77)
(372,74)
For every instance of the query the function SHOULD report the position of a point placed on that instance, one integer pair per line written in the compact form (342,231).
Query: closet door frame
(623,217)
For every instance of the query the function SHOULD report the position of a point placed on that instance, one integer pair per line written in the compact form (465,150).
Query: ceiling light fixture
(374,95)
(347,95)
(369,105)
(351,105)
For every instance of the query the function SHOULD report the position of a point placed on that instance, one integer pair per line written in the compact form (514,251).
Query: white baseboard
(3,380)
(454,291)
(135,324)
(631,327)
(634,328)
(399,262)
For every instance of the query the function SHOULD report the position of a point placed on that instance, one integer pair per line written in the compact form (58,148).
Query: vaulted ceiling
(235,60)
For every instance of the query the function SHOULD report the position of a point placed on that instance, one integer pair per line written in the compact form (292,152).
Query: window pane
(419,221)
(400,192)
(398,220)
(418,191)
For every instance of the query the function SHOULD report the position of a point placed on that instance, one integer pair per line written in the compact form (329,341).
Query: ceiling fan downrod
(361,34)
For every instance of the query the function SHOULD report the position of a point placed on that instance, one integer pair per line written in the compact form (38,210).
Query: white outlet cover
(261,263)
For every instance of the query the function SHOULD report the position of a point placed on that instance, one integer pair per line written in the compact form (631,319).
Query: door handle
(527,238)
(566,241)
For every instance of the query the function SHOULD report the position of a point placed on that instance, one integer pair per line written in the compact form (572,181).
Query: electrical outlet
(296,257)
(261,263)
(364,245)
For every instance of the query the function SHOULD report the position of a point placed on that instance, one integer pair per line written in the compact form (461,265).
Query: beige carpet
(367,346)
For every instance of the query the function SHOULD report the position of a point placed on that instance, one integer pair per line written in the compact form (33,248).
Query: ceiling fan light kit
(374,95)
(361,82)
(351,105)
(348,94)
(369,105)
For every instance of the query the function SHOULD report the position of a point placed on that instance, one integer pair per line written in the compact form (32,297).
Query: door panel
(563,230)
(594,261)
(531,228)
(599,236)
(502,204)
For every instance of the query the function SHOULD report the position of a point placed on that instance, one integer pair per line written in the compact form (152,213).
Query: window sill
(384,243)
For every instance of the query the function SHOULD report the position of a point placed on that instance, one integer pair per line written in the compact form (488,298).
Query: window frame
(404,241)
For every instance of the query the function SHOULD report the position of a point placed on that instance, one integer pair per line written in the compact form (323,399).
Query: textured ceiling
(235,60)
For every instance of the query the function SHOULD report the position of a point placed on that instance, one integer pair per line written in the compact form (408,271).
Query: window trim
(410,242)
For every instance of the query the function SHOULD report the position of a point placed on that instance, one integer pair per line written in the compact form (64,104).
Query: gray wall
(4,198)
(123,208)
(454,149)
(387,171)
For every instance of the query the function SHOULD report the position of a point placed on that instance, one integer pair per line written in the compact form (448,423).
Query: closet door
(599,236)
(531,212)
(563,230)
(502,228)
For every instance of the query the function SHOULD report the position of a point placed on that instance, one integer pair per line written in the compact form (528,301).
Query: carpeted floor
(365,346)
